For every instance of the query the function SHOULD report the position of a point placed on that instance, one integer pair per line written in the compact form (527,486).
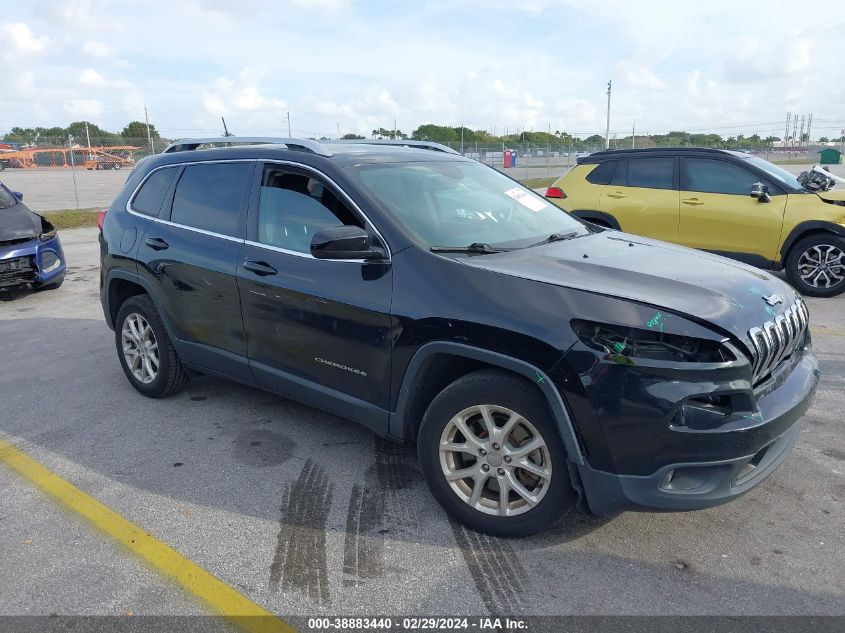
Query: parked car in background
(726,202)
(533,358)
(30,251)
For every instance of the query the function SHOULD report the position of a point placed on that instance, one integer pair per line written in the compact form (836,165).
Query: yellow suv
(730,203)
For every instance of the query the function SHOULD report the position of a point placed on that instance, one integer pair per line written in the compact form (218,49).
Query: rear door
(643,197)
(317,330)
(718,214)
(190,255)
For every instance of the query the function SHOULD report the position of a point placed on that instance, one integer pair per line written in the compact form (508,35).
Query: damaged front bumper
(31,261)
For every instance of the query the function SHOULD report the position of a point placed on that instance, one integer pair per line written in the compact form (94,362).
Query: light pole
(607,128)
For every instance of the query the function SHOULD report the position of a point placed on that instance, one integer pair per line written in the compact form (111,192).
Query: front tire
(816,265)
(146,353)
(492,456)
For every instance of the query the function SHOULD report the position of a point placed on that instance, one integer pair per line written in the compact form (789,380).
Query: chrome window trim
(130,210)
(278,249)
(286,251)
(348,200)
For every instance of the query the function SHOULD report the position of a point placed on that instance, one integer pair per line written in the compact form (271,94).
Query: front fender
(398,421)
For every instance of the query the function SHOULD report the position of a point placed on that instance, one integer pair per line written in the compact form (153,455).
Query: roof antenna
(225,129)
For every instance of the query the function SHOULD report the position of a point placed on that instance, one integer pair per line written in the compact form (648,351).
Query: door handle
(262,269)
(156,243)
(617,195)
(694,202)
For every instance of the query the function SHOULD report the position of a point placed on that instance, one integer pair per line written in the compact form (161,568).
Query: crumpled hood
(696,284)
(18,222)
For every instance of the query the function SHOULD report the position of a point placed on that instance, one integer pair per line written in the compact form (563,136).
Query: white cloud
(95,49)
(241,94)
(84,109)
(18,37)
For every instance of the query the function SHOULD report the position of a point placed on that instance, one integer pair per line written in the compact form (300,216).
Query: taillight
(100,217)
(555,192)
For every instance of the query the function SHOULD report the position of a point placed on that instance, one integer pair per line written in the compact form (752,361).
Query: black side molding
(807,227)
(601,216)
(532,373)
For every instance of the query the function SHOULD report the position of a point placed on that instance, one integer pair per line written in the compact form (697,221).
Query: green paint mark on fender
(755,291)
(540,378)
(737,304)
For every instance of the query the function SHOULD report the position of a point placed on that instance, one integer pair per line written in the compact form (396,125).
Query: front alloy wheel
(495,460)
(492,455)
(822,266)
(816,265)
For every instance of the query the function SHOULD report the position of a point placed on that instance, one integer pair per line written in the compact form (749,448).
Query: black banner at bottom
(436,624)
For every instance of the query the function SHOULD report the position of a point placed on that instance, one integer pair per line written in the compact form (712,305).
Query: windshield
(779,174)
(455,204)
(7,198)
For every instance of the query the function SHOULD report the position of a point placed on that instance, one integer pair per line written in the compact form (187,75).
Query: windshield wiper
(479,248)
(557,237)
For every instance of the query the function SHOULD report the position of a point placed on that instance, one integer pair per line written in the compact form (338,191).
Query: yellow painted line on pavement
(222,598)
(829,331)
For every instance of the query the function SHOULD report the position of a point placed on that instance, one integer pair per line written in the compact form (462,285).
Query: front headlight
(629,342)
(48,231)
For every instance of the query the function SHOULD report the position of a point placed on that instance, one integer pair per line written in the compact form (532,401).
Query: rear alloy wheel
(492,456)
(146,353)
(816,266)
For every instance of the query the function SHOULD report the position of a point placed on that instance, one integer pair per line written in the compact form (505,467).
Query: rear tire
(145,350)
(505,491)
(815,265)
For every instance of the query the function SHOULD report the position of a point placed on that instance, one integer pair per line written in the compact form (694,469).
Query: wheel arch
(806,229)
(437,364)
(597,216)
(120,285)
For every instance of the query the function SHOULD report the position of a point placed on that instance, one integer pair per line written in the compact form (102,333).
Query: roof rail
(402,143)
(300,144)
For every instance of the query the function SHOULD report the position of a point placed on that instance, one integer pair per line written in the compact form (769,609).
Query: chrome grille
(777,339)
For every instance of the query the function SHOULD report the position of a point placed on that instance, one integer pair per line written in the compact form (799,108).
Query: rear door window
(651,173)
(210,197)
(717,176)
(151,195)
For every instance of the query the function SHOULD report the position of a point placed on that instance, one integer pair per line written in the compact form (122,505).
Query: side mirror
(344,242)
(18,195)
(760,191)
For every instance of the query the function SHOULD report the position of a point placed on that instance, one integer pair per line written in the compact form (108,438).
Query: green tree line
(58,136)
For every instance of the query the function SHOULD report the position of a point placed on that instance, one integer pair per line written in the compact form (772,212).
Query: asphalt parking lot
(303,513)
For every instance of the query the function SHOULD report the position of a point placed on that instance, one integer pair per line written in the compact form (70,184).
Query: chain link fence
(62,173)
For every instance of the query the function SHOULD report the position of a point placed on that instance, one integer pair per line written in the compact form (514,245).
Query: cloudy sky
(728,67)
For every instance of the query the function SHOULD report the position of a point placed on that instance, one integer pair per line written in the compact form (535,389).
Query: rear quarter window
(603,173)
(151,195)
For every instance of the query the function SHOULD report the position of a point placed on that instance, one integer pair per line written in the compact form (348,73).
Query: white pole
(289,135)
(72,168)
(633,133)
(149,136)
(607,128)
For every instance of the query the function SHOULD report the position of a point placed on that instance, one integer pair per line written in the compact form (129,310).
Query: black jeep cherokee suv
(534,359)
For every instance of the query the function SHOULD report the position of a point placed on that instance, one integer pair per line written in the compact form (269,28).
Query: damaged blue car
(30,251)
